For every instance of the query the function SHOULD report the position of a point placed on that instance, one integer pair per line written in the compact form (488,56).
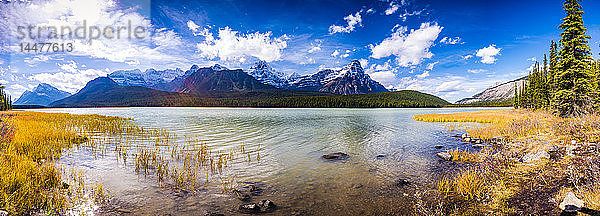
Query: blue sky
(452,49)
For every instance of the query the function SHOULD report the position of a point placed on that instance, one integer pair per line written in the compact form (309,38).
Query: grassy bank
(503,181)
(30,143)
(32,182)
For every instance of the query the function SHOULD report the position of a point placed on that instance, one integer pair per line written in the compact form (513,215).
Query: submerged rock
(444,155)
(530,157)
(476,141)
(402,182)
(336,156)
(249,208)
(267,205)
(571,200)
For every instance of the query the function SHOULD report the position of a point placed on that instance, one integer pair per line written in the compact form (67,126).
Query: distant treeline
(293,99)
(567,80)
(5,100)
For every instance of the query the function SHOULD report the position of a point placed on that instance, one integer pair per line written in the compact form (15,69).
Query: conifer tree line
(567,79)
(5,100)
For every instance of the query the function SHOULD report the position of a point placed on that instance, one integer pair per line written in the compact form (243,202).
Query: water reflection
(290,143)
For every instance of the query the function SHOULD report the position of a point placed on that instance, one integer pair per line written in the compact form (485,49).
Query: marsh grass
(464,156)
(31,143)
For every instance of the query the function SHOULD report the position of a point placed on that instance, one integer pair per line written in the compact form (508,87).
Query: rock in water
(464,136)
(335,156)
(267,205)
(249,208)
(571,200)
(439,146)
(445,155)
(530,157)
(478,146)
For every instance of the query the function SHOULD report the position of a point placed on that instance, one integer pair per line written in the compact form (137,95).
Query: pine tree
(574,94)
(552,69)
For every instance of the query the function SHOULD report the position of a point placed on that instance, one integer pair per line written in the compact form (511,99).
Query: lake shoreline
(532,169)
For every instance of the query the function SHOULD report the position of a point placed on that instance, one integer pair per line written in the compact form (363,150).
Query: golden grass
(463,156)
(499,170)
(467,185)
(31,142)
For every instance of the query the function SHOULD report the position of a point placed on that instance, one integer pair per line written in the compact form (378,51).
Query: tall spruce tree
(574,95)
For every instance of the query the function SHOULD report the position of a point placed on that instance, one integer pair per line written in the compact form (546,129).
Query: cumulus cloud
(382,73)
(447,40)
(409,48)
(232,45)
(71,78)
(488,54)
(99,13)
(467,57)
(351,20)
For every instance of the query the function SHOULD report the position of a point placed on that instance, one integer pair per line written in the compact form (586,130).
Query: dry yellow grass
(464,156)
(526,132)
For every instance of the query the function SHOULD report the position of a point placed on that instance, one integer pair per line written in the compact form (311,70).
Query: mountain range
(41,95)
(261,85)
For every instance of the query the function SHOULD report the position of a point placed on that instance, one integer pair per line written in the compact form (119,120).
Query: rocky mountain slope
(497,93)
(351,79)
(206,80)
(42,95)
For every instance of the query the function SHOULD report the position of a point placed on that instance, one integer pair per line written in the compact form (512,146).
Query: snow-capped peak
(264,73)
(218,67)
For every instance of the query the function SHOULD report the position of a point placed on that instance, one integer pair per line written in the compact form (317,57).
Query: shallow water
(289,144)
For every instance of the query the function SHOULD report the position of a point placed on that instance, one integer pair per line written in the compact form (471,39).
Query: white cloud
(232,45)
(71,78)
(423,75)
(335,53)
(476,71)
(385,77)
(488,54)
(371,11)
(431,65)
(410,49)
(314,49)
(449,86)
(352,20)
(99,13)
(533,59)
(405,15)
(193,26)
(364,62)
(467,57)
(392,9)
(344,55)
(455,40)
